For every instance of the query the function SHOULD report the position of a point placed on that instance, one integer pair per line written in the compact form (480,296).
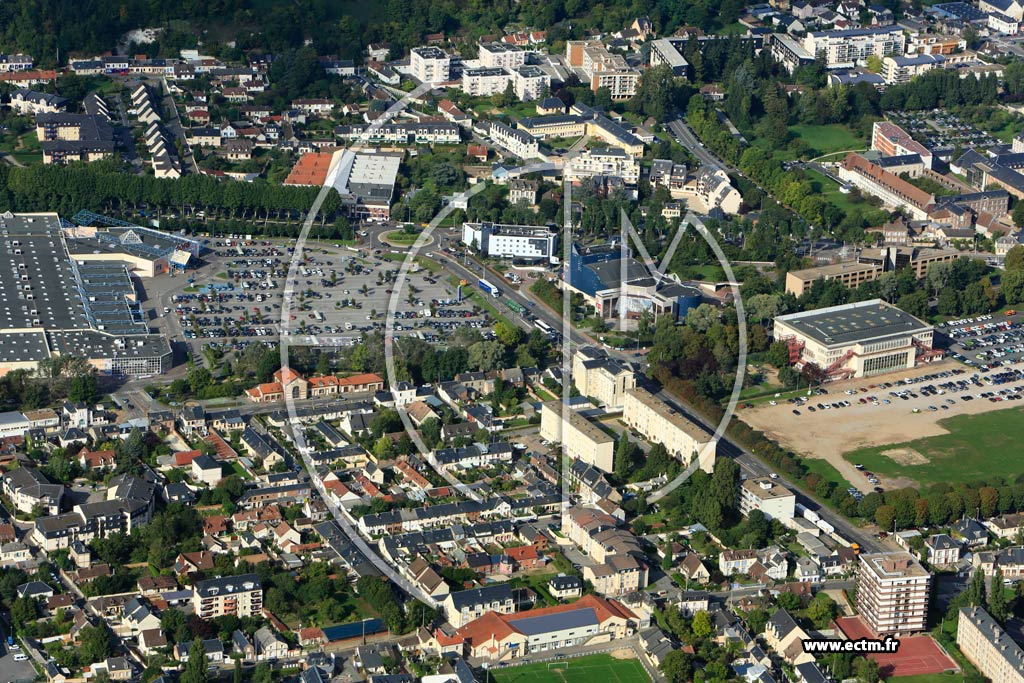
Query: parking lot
(15,666)
(940,128)
(235,297)
(987,341)
(899,407)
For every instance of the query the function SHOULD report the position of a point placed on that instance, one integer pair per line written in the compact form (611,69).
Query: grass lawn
(829,189)
(603,668)
(734,29)
(977,446)
(828,139)
(928,678)
(400,237)
(708,273)
(826,471)
(237,468)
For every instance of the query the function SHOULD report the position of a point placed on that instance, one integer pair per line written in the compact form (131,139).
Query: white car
(20,657)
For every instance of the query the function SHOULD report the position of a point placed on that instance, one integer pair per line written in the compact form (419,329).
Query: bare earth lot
(828,434)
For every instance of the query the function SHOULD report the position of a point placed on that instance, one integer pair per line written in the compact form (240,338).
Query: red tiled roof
(310,169)
(186,457)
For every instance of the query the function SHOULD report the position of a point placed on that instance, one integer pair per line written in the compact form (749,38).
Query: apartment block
(581,439)
(530,82)
(989,647)
(501,55)
(598,376)
(845,49)
(485,81)
(430,64)
(604,162)
(646,413)
(897,69)
(602,68)
(893,592)
(241,596)
(774,500)
(515,141)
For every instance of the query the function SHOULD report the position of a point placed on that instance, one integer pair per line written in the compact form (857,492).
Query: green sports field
(592,669)
(977,446)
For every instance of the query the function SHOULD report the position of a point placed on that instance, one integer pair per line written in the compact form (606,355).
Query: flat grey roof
(561,621)
(851,323)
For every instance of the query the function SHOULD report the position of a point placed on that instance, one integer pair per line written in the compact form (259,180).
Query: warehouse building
(856,340)
(55,303)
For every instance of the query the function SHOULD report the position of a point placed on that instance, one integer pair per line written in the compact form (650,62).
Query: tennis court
(917,655)
(593,669)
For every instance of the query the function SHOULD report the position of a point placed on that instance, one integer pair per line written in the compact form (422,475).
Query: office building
(524,242)
(893,191)
(366,183)
(870,265)
(856,340)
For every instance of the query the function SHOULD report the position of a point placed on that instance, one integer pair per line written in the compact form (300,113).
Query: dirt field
(828,434)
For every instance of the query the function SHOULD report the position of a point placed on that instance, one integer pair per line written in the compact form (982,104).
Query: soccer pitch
(594,668)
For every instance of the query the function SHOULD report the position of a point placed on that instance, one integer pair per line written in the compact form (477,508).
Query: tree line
(102,186)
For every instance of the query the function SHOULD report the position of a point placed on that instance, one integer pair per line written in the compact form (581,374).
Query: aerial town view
(546,341)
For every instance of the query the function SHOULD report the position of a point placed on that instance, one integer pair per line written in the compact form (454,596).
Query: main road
(752,467)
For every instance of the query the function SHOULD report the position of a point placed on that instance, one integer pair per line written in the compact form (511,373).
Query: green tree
(997,597)
(195,667)
(866,670)
(701,626)
(261,674)
(976,589)
(1015,257)
(885,515)
(625,453)
(677,666)
(509,335)
(94,644)
(237,677)
(1013,283)
(822,610)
